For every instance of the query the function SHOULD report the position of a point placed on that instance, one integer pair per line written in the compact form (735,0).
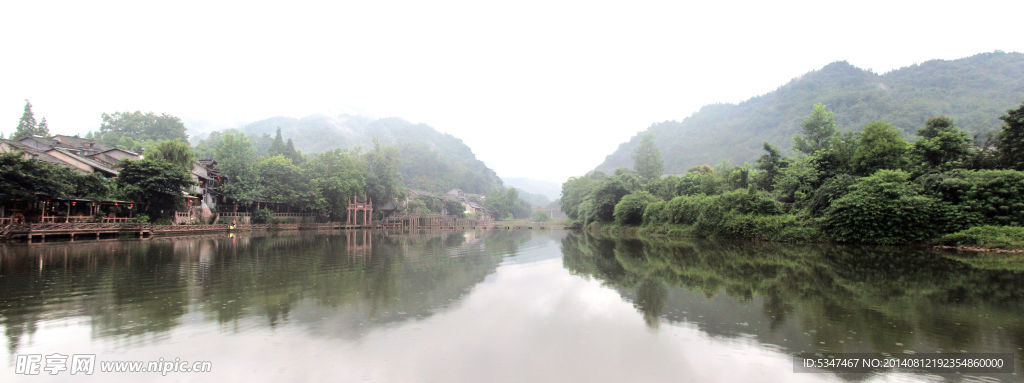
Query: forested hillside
(974,91)
(430,160)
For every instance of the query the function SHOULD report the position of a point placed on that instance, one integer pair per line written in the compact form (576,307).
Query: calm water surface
(498,306)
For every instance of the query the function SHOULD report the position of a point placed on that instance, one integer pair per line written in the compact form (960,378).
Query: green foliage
(280,181)
(540,216)
(769,166)
(237,162)
(831,190)
(27,125)
(655,213)
(798,181)
(336,175)
(1010,140)
(817,131)
(989,237)
(981,197)
(506,204)
(775,228)
(881,146)
(155,185)
(130,129)
(630,209)
(174,151)
(604,198)
(885,208)
(576,190)
(383,181)
(942,147)
(261,216)
(647,158)
(28,179)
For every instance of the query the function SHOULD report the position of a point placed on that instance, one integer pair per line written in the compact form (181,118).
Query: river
(480,306)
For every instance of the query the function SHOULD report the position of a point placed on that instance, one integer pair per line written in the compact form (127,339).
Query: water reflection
(138,290)
(816,298)
(496,306)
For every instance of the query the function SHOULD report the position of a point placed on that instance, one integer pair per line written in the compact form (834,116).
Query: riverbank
(995,239)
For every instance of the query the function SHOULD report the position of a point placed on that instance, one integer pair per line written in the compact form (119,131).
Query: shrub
(992,237)
(262,216)
(749,202)
(830,190)
(982,197)
(685,210)
(655,213)
(778,228)
(885,208)
(630,210)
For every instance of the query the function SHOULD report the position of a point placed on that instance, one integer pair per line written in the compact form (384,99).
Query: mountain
(431,160)
(974,91)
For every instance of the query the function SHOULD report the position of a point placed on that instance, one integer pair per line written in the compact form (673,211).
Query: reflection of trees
(870,298)
(128,288)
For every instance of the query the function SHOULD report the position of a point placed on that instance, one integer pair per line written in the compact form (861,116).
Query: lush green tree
(383,181)
(797,181)
(630,209)
(816,131)
(237,162)
(277,145)
(540,216)
(604,199)
(1010,141)
(155,185)
(769,166)
(29,179)
(881,146)
(576,190)
(26,125)
(647,158)
(280,181)
(506,204)
(981,197)
(885,208)
(942,146)
(174,151)
(336,175)
(131,129)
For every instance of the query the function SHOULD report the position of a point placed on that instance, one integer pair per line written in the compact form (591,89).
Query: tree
(1010,140)
(173,151)
(942,146)
(29,179)
(277,145)
(43,129)
(27,124)
(383,181)
(630,210)
(647,158)
(131,130)
(769,166)
(236,160)
(885,208)
(881,146)
(155,185)
(817,131)
(336,175)
(280,181)
(506,204)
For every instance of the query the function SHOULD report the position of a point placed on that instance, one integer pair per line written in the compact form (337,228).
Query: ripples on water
(500,305)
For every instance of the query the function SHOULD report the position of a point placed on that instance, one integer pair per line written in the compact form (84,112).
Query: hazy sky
(541,89)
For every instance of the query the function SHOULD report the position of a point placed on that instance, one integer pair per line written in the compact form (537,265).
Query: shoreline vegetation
(872,187)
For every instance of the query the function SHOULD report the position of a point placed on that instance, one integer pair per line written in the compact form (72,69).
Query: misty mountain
(431,160)
(550,190)
(974,91)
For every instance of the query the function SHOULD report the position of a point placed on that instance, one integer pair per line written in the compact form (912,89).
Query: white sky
(539,89)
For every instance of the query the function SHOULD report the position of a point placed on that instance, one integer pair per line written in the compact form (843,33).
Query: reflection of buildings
(358,243)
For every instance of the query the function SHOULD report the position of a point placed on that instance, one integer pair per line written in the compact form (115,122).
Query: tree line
(871,186)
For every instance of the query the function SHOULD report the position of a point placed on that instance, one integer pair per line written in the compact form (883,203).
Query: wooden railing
(116,220)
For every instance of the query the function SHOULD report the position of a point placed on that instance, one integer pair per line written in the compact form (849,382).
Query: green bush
(685,210)
(746,201)
(982,197)
(776,228)
(830,190)
(262,216)
(655,213)
(140,218)
(992,237)
(630,209)
(885,208)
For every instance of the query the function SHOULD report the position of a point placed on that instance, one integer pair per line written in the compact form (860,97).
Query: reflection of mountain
(131,288)
(811,299)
